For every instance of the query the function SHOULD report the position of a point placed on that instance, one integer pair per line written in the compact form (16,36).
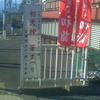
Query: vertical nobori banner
(83,23)
(32,41)
(66,20)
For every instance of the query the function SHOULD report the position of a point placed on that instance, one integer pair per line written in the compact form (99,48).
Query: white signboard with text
(32,41)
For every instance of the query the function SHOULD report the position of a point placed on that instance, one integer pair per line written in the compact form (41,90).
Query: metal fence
(59,67)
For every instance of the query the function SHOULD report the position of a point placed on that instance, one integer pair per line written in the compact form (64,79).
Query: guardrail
(58,67)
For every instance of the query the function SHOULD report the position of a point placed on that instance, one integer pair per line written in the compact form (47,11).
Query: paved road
(10,62)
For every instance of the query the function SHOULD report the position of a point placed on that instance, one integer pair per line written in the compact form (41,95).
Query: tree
(21,5)
(16,21)
(9,4)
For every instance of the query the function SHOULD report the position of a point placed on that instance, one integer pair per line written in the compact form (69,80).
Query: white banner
(32,41)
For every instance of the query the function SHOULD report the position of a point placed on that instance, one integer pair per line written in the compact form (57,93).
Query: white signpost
(31,49)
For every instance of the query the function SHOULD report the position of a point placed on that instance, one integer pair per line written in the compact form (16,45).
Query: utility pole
(4,21)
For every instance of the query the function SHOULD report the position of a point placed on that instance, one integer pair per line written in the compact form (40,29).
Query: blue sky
(2,2)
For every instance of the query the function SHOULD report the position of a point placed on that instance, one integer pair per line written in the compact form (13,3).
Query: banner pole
(74,36)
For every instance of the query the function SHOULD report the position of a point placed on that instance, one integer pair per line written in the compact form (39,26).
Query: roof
(50,14)
(55,14)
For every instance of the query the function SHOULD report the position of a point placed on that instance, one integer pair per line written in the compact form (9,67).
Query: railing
(56,60)
(59,67)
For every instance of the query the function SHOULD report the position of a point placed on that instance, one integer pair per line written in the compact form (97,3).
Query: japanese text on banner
(66,20)
(83,26)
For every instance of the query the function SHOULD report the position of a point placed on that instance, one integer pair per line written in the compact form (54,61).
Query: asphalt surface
(10,77)
(10,62)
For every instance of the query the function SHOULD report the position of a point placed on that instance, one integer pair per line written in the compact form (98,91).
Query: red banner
(83,23)
(66,20)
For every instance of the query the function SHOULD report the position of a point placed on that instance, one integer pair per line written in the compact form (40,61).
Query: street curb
(73,90)
(45,91)
(4,92)
(85,90)
(7,92)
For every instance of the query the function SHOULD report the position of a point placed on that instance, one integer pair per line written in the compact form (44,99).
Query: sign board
(32,41)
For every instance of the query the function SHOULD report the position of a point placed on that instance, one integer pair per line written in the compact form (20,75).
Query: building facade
(50,16)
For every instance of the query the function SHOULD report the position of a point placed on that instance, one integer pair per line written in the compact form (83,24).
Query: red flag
(83,23)
(66,20)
